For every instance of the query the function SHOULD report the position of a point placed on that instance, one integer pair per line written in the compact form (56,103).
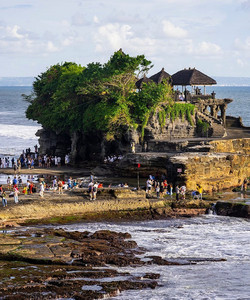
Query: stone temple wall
(232,146)
(177,129)
(225,168)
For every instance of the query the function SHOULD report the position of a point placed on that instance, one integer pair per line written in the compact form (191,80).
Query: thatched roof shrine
(191,77)
(140,82)
(160,76)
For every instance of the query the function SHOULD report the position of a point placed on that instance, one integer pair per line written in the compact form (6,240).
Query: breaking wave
(19,131)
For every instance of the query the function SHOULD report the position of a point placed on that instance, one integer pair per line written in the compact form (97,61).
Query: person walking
(60,186)
(157,189)
(16,192)
(148,186)
(41,190)
(90,190)
(177,191)
(95,187)
(4,200)
(200,191)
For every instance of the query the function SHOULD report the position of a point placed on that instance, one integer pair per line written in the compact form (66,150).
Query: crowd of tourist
(155,185)
(112,158)
(161,187)
(30,160)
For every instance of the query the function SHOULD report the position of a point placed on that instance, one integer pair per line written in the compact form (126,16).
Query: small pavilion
(193,78)
(160,76)
(141,81)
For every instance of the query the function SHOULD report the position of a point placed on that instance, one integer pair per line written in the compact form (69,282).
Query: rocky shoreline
(53,263)
(112,204)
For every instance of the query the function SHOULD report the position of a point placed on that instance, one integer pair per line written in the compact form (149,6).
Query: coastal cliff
(225,167)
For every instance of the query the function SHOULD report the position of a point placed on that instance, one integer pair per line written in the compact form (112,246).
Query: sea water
(207,237)
(17,133)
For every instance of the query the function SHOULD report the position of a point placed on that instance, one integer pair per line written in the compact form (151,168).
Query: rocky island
(99,111)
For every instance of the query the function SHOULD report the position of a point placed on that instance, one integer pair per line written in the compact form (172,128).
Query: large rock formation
(224,164)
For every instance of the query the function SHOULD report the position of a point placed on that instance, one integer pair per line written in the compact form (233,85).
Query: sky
(211,35)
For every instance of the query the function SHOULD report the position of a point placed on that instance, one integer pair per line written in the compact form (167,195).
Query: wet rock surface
(57,264)
(49,264)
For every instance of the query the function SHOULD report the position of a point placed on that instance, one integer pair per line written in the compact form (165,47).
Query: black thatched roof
(191,77)
(158,77)
(141,81)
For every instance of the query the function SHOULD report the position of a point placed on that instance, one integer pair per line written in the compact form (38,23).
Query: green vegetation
(176,110)
(101,98)
(202,127)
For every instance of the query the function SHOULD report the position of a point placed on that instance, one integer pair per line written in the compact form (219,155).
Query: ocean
(18,133)
(204,238)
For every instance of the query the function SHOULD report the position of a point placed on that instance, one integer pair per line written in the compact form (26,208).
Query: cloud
(96,20)
(14,39)
(111,37)
(242,45)
(51,47)
(208,49)
(245,5)
(19,6)
(240,62)
(79,19)
(122,17)
(173,31)
(13,32)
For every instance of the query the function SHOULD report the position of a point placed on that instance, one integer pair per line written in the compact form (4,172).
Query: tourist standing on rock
(9,182)
(19,165)
(183,192)
(54,183)
(15,168)
(41,190)
(4,200)
(200,190)
(90,190)
(60,187)
(95,187)
(244,185)
(67,159)
(15,182)
(157,189)
(16,192)
(148,186)
(70,183)
(170,189)
(20,181)
(56,161)
(177,191)
(59,161)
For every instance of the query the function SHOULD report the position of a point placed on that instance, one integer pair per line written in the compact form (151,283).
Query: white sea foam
(7,113)
(211,237)
(19,131)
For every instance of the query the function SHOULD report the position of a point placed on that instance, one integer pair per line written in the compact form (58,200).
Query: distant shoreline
(221,81)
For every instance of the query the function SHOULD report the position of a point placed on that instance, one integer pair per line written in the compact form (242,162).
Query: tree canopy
(98,97)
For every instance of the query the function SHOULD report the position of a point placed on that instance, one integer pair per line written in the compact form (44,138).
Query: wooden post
(138,181)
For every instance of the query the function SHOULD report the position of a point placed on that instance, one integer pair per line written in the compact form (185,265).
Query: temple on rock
(195,115)
(210,111)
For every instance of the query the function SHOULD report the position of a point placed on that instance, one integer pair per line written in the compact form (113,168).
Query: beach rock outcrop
(241,210)
(50,264)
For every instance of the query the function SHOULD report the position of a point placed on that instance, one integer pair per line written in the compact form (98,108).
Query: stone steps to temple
(218,129)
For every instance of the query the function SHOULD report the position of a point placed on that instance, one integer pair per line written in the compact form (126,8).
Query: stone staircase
(218,130)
